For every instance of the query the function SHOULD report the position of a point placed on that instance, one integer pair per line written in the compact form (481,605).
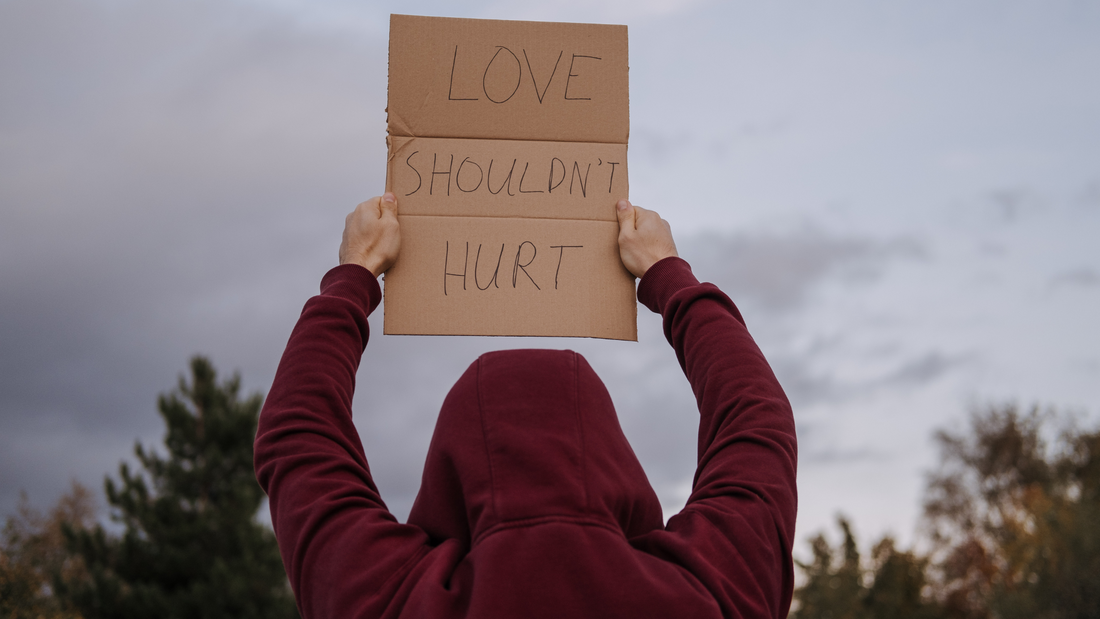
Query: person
(532,502)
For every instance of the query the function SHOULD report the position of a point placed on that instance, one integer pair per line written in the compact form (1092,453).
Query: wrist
(662,280)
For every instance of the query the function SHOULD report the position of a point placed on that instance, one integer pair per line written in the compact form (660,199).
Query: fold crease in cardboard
(507,153)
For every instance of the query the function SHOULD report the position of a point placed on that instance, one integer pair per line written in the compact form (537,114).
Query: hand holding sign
(372,237)
(644,238)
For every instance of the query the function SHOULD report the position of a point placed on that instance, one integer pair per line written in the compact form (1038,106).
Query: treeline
(190,544)
(1011,529)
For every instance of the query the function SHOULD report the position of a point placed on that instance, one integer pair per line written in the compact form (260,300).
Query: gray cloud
(830,455)
(1011,204)
(920,371)
(660,146)
(1084,276)
(1089,196)
(173,179)
(777,271)
(807,386)
(174,176)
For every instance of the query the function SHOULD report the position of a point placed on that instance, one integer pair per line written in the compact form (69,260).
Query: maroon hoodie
(532,502)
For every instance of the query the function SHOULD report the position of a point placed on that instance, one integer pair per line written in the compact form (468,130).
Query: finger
(624,210)
(643,218)
(648,218)
(361,209)
(389,203)
(375,207)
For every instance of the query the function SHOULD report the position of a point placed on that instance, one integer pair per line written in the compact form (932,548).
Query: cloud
(1011,204)
(174,177)
(174,181)
(1089,196)
(808,385)
(777,272)
(610,11)
(920,371)
(1084,277)
(829,455)
(662,146)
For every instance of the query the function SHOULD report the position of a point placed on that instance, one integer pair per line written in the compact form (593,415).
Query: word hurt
(526,253)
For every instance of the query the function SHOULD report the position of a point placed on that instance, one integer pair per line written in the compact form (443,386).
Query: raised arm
(736,531)
(342,548)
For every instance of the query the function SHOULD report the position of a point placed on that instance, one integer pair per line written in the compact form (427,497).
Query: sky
(903,199)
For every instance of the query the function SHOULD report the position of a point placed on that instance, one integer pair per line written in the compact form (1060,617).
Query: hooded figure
(532,502)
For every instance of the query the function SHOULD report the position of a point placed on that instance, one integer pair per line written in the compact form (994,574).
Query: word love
(503,75)
(522,265)
(469,176)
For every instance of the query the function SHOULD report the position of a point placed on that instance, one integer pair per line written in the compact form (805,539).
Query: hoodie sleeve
(736,532)
(344,552)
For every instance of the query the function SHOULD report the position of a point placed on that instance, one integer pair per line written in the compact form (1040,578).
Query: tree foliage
(33,554)
(191,546)
(840,585)
(1012,521)
(1014,516)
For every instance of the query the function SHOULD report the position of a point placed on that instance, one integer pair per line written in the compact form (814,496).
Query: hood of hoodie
(529,436)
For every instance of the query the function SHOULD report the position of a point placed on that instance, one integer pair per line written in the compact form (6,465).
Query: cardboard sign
(507,154)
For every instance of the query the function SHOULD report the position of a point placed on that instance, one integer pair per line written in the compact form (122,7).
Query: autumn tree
(1013,513)
(33,555)
(191,545)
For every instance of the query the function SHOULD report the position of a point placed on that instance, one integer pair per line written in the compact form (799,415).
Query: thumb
(389,203)
(626,214)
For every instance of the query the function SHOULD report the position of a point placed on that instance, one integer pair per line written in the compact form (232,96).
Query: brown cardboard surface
(493,276)
(507,153)
(508,80)
(507,178)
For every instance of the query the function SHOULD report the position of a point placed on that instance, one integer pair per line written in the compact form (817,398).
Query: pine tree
(838,586)
(834,585)
(191,545)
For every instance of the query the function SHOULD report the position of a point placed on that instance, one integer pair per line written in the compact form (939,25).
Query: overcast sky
(903,198)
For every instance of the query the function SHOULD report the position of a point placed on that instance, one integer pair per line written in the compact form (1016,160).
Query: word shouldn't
(471,176)
(526,253)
